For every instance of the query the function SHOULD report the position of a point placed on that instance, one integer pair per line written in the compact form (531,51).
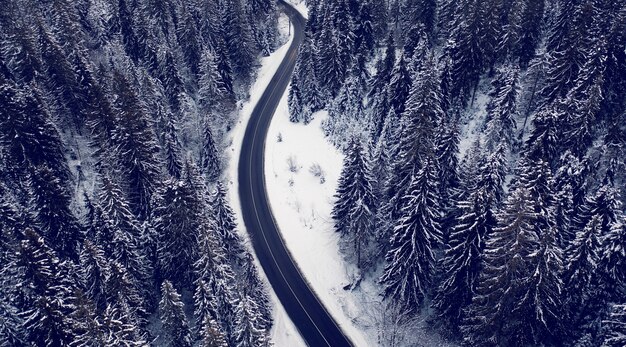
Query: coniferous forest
(115,229)
(484,181)
(483,187)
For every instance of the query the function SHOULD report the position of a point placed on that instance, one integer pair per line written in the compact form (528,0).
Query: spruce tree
(46,289)
(520,284)
(410,261)
(136,148)
(27,133)
(461,263)
(615,327)
(172,149)
(210,160)
(224,218)
(613,259)
(237,39)
(355,206)
(211,87)
(399,85)
(295,100)
(94,273)
(501,110)
(123,238)
(248,328)
(178,220)
(583,258)
(51,203)
(175,330)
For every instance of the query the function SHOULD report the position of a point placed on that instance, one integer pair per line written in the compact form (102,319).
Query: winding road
(314,323)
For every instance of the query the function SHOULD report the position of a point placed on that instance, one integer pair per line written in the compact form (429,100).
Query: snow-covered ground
(300,5)
(284,333)
(302,206)
(302,203)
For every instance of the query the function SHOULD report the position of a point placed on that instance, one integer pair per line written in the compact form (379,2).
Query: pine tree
(136,148)
(175,330)
(502,108)
(212,89)
(520,283)
(210,160)
(46,291)
(94,272)
(248,332)
(27,133)
(178,220)
(224,219)
(613,259)
(51,202)
(355,205)
(615,327)
(399,85)
(410,260)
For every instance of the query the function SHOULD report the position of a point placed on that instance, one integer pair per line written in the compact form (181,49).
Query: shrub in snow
(317,171)
(293,164)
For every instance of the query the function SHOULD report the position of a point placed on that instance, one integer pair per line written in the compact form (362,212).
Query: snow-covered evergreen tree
(615,327)
(410,261)
(520,283)
(501,110)
(175,331)
(355,207)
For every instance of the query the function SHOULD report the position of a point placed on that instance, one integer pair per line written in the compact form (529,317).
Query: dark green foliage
(175,331)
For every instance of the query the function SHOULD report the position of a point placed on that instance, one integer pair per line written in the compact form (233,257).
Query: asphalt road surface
(314,323)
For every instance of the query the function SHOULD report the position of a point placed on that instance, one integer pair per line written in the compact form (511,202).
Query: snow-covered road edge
(284,332)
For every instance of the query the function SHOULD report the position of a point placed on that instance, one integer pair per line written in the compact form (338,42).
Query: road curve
(314,323)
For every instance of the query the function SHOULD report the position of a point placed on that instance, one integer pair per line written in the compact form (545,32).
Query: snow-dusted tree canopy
(114,228)
(492,168)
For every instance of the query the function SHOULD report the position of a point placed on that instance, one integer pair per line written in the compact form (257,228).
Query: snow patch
(300,5)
